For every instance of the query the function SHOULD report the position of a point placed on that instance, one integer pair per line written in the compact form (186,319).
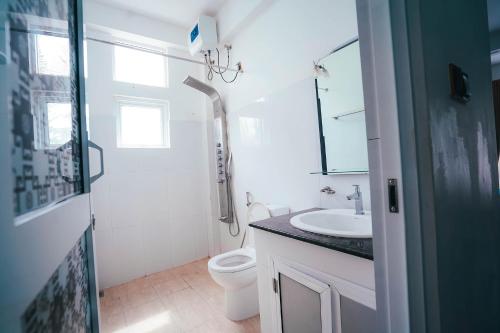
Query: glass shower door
(47,281)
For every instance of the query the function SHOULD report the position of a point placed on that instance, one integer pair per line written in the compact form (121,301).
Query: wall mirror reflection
(341,111)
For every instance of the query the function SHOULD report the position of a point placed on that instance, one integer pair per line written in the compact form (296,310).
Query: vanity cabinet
(307,288)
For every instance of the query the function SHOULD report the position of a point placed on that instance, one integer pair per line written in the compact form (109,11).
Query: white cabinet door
(304,303)
(307,300)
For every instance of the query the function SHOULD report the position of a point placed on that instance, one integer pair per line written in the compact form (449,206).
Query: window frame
(33,52)
(133,46)
(143,102)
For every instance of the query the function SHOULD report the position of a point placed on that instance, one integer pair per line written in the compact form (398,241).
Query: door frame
(395,89)
(382,103)
(89,233)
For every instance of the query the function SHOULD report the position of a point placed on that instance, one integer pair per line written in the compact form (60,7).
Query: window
(142,124)
(51,56)
(59,123)
(139,67)
(52,119)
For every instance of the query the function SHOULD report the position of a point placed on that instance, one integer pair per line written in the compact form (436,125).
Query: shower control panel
(221,177)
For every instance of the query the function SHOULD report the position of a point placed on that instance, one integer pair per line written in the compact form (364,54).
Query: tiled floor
(181,299)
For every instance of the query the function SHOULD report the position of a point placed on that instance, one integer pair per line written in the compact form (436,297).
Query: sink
(335,222)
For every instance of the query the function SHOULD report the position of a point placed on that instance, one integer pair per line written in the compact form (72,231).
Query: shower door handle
(101,157)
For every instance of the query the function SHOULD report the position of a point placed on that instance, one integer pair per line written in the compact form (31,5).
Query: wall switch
(459,84)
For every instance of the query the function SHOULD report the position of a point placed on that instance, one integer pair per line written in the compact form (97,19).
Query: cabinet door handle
(275,286)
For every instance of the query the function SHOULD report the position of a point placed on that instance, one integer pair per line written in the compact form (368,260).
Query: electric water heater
(203,35)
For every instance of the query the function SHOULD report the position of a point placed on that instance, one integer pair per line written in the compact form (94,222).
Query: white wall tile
(151,205)
(277,50)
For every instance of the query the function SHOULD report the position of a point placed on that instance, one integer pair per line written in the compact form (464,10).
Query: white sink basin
(335,222)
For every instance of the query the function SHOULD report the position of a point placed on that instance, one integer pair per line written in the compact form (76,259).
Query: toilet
(236,270)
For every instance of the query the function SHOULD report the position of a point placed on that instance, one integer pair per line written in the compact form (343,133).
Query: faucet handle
(357,188)
(327,190)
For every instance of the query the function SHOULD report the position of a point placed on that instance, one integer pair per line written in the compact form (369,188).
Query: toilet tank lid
(277,210)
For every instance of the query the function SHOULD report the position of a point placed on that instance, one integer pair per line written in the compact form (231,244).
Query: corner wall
(152,205)
(271,107)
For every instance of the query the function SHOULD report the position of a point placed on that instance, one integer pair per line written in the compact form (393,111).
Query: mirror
(341,111)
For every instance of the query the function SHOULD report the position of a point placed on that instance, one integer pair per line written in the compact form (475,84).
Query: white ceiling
(180,12)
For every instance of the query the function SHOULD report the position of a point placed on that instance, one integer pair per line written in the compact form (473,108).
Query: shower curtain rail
(145,49)
(64,34)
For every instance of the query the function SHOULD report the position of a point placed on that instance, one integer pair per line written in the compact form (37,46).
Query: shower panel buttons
(220,164)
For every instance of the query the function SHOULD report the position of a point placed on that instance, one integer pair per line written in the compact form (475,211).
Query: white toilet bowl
(236,272)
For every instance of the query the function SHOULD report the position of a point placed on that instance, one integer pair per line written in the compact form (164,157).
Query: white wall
(151,205)
(277,49)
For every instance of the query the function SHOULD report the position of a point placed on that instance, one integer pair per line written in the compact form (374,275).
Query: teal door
(47,275)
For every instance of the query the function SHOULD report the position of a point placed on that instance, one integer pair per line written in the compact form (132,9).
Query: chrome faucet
(358,200)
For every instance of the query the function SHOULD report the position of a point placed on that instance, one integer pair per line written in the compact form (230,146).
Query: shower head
(201,86)
(223,154)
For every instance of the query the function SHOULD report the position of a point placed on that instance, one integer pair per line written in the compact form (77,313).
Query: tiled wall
(276,95)
(151,205)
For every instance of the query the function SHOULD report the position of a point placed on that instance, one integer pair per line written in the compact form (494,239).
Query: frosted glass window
(59,121)
(142,126)
(52,55)
(138,67)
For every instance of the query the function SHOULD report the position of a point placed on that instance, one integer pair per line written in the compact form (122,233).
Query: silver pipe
(339,47)
(347,114)
(145,49)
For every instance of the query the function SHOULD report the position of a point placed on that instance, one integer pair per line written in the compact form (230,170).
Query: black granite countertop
(360,247)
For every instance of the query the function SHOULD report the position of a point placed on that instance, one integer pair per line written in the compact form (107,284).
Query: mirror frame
(324,165)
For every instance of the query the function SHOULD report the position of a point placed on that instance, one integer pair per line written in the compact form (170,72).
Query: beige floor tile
(115,292)
(181,299)
(161,322)
(212,326)
(110,307)
(167,287)
(193,315)
(138,297)
(143,311)
(113,323)
(137,284)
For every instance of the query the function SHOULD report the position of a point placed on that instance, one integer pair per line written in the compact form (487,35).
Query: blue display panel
(194,33)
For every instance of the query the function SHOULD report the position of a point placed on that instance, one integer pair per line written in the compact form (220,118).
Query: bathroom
(218,160)
(157,209)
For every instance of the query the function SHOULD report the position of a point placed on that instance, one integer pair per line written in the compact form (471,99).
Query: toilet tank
(258,211)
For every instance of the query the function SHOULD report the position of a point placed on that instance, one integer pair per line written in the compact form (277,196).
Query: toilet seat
(233,261)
